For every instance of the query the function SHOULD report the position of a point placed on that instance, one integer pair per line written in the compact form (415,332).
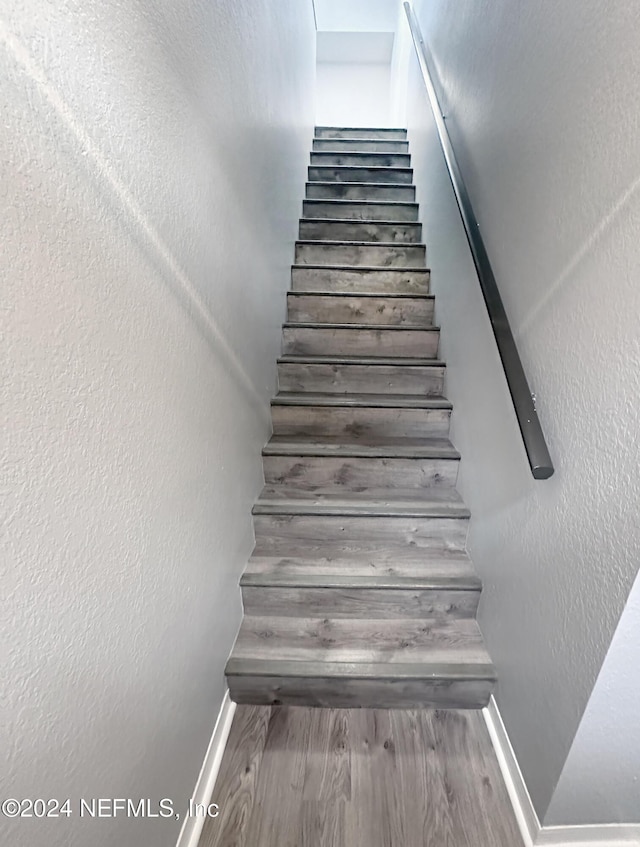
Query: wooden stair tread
(366,184)
(359,221)
(338,200)
(326,242)
(431,502)
(374,401)
(399,566)
(319,579)
(379,447)
(372,361)
(359,591)
(370,327)
(424,670)
(361,268)
(374,295)
(382,642)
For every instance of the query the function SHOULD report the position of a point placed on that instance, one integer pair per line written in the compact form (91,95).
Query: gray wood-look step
(397,567)
(308,414)
(331,307)
(381,447)
(377,145)
(355,173)
(360,537)
(346,602)
(365,375)
(361,158)
(433,502)
(320,685)
(371,133)
(360,280)
(316,229)
(359,591)
(331,661)
(355,253)
(357,464)
(361,641)
(365,340)
(368,191)
(360,210)
(342,472)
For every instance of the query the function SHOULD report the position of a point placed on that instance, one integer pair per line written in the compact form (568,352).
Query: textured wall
(152,161)
(541,102)
(608,738)
(353,94)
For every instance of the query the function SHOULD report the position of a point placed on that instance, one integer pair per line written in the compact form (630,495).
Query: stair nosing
(360,222)
(367,361)
(358,152)
(358,326)
(353,139)
(379,295)
(338,401)
(372,510)
(358,269)
(369,184)
(357,451)
(333,242)
(367,167)
(463,671)
(390,583)
(362,203)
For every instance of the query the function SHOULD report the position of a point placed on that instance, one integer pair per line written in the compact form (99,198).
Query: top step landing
(371,133)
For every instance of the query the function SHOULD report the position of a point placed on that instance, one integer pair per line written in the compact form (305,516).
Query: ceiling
(357,15)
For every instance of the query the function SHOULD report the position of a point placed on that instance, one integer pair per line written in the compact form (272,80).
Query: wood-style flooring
(303,777)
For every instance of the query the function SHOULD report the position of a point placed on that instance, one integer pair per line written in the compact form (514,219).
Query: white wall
(353,94)
(541,104)
(153,159)
(608,739)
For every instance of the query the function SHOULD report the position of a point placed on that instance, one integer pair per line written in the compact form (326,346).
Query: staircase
(359,591)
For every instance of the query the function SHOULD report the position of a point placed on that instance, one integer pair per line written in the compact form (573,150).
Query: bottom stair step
(349,663)
(359,662)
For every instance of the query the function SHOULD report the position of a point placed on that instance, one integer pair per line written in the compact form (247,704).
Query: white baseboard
(192,826)
(533,833)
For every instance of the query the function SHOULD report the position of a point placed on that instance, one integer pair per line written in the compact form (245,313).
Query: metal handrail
(523,399)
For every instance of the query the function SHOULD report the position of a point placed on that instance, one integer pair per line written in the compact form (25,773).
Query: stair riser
(339,231)
(393,176)
(356,693)
(361,159)
(343,209)
(359,132)
(360,342)
(347,191)
(319,535)
(369,603)
(358,474)
(339,145)
(347,280)
(374,255)
(366,379)
(391,311)
(341,421)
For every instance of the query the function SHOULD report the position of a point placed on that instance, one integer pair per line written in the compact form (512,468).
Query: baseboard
(192,826)
(533,833)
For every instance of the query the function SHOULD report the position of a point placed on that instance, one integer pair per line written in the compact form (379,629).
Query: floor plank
(302,777)
(235,788)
